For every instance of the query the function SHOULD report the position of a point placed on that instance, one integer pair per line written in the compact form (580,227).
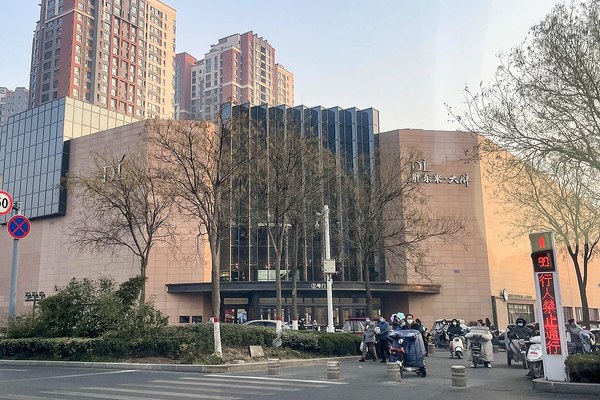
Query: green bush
(53,348)
(188,344)
(90,308)
(584,367)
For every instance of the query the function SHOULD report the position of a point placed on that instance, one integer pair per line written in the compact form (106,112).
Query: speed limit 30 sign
(6,202)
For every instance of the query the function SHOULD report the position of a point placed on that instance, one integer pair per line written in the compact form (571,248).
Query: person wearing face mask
(454,330)
(410,323)
(515,333)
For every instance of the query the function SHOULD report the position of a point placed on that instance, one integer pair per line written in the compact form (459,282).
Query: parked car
(267,323)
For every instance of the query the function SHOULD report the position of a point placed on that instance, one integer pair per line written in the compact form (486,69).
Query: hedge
(584,367)
(187,344)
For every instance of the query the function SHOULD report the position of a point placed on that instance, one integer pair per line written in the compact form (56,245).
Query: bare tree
(545,97)
(388,215)
(125,205)
(288,178)
(544,105)
(201,159)
(561,197)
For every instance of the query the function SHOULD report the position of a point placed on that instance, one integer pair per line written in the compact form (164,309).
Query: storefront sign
(549,307)
(112,172)
(422,174)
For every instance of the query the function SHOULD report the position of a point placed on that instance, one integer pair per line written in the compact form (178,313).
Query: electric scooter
(456,347)
(534,357)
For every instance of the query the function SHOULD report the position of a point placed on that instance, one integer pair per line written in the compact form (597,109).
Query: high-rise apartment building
(12,102)
(116,54)
(241,69)
(183,85)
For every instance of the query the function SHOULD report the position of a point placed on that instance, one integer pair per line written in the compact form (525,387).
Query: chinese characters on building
(422,174)
(549,313)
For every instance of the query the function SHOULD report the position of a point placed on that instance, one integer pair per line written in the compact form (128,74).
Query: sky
(405,58)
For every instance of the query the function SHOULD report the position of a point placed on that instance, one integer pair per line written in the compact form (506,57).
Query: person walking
(369,341)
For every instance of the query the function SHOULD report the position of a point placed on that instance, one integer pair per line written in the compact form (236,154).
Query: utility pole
(329,270)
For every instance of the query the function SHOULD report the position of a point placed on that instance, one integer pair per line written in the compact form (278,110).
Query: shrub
(584,367)
(188,344)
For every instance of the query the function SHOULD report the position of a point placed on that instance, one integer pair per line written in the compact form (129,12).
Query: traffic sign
(18,226)
(6,202)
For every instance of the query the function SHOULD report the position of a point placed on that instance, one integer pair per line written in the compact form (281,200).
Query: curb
(224,368)
(565,387)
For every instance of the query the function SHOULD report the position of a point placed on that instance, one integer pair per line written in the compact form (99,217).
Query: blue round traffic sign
(18,226)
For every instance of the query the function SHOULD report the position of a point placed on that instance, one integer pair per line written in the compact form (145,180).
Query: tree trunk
(368,294)
(278,291)
(581,283)
(216,290)
(143,265)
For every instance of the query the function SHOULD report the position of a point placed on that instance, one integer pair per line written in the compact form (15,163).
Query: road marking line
(24,397)
(302,384)
(14,370)
(161,393)
(72,376)
(191,386)
(81,395)
(228,385)
(194,386)
(265,378)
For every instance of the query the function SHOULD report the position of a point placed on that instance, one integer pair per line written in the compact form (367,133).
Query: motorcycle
(407,349)
(456,347)
(517,352)
(535,357)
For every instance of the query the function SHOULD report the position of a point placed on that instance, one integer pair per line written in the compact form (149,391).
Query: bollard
(333,370)
(431,348)
(393,372)
(273,366)
(459,376)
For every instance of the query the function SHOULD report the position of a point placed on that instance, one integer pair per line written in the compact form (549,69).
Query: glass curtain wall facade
(351,135)
(34,151)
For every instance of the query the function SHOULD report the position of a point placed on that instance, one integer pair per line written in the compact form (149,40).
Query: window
(184,319)
(568,312)
(578,314)
(524,311)
(196,319)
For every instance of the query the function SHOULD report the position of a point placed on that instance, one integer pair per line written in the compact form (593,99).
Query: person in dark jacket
(382,331)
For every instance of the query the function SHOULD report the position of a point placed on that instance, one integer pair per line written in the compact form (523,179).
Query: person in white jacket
(483,335)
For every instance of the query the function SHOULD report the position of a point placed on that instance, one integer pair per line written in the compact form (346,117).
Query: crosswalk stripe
(162,393)
(270,382)
(83,395)
(227,390)
(75,375)
(268,378)
(190,386)
(25,397)
(229,385)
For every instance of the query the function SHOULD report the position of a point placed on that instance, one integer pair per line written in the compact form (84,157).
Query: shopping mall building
(476,274)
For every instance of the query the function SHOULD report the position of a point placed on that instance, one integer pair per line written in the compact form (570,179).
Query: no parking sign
(18,226)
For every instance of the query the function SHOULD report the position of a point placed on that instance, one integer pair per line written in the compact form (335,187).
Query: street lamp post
(329,270)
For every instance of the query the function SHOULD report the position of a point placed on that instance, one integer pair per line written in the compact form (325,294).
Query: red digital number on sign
(549,313)
(543,261)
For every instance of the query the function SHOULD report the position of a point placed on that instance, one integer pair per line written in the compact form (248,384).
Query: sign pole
(328,272)
(549,306)
(12,301)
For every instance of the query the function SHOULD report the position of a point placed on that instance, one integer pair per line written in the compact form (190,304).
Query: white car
(268,323)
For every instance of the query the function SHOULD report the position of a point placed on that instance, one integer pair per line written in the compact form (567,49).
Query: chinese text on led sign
(549,313)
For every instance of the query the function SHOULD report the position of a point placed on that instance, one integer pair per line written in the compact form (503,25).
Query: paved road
(359,381)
